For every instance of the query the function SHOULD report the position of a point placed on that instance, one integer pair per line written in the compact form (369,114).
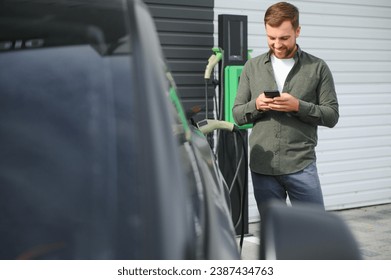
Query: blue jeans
(301,187)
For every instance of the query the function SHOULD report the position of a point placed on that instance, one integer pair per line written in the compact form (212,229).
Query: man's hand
(284,103)
(262,102)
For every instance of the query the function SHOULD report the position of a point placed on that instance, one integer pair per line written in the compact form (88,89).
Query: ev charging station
(232,152)
(231,148)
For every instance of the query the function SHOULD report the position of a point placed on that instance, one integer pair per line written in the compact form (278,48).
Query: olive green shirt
(284,143)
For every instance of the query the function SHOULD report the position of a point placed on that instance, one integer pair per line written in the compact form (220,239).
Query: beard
(283,52)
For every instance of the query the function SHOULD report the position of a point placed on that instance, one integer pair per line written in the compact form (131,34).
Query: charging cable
(212,62)
(207,126)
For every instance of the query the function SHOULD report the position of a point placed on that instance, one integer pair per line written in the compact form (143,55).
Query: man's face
(282,39)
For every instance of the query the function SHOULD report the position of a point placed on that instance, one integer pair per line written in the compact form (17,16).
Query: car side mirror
(305,233)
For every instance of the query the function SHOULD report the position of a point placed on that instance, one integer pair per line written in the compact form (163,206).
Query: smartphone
(271,93)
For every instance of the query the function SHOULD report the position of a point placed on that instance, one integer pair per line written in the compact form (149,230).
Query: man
(284,135)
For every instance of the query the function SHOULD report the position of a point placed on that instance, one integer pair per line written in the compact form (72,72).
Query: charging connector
(212,61)
(207,126)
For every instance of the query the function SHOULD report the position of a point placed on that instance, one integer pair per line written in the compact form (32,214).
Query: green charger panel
(231,83)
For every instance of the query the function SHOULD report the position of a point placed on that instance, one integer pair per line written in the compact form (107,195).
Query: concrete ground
(371,227)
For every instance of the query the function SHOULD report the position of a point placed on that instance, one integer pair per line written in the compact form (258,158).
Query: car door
(89,165)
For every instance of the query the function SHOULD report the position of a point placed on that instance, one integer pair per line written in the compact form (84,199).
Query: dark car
(97,158)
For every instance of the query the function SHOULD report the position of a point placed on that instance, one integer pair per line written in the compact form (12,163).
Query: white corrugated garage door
(354,38)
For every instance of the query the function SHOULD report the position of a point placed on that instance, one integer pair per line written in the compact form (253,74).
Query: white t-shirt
(281,68)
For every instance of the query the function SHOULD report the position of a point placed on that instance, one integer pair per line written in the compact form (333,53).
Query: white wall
(354,38)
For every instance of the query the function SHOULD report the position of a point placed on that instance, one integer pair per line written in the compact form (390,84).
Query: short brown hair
(278,13)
